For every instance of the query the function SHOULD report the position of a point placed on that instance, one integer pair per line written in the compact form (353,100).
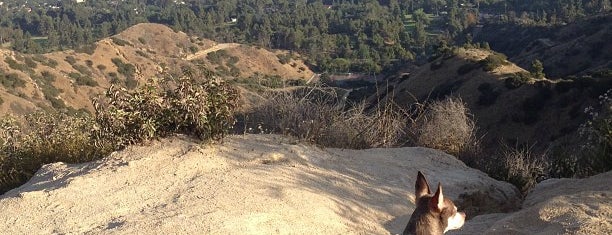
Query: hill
(69,79)
(579,48)
(508,103)
(268,184)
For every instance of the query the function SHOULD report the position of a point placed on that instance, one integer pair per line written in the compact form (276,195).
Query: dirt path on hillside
(217,47)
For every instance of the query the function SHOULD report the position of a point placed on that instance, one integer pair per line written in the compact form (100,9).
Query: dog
(434,214)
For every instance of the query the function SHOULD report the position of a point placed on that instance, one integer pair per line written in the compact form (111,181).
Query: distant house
(80,1)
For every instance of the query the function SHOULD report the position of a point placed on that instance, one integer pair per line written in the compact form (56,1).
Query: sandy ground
(556,206)
(267,184)
(254,184)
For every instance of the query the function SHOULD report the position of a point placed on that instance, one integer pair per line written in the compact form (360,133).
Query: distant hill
(70,78)
(574,49)
(507,102)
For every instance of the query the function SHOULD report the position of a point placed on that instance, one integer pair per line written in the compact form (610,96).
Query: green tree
(537,69)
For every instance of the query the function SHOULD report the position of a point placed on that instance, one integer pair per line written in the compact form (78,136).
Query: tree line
(335,35)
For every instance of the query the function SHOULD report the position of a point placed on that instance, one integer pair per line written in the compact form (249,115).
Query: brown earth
(152,49)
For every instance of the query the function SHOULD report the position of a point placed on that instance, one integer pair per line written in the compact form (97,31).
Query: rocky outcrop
(254,184)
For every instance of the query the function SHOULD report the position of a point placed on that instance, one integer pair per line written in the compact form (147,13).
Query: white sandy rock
(254,184)
(555,206)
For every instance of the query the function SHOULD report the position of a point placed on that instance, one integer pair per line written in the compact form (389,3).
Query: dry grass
(320,116)
(446,125)
(522,167)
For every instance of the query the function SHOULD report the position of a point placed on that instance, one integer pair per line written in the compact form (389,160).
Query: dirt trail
(217,47)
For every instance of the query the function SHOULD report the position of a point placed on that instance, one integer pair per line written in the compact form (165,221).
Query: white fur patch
(455,221)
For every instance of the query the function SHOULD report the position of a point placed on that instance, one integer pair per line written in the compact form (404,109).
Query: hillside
(70,78)
(578,48)
(507,102)
(268,184)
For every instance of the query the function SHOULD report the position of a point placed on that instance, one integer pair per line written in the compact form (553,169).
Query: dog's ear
(437,201)
(421,187)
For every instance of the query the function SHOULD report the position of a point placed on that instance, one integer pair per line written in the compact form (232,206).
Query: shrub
(11,80)
(445,125)
(45,138)
(284,58)
(13,64)
(143,54)
(120,42)
(126,69)
(516,80)
(142,40)
(71,60)
(318,116)
(82,69)
(597,135)
(101,67)
(89,63)
(493,61)
(190,104)
(83,80)
(215,57)
(1,101)
(521,167)
(30,63)
(87,49)
(488,94)
(51,63)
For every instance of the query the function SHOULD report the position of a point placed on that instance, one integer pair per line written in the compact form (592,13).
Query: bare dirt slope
(254,184)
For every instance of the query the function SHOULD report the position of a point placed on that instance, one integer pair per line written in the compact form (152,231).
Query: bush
(83,80)
(71,60)
(516,80)
(120,42)
(493,61)
(13,64)
(87,49)
(596,133)
(30,63)
(446,125)
(142,40)
(488,95)
(143,54)
(193,104)
(318,116)
(126,69)
(11,80)
(45,138)
(284,58)
(521,167)
(82,69)
(101,67)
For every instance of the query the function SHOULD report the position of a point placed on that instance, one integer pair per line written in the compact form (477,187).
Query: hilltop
(71,78)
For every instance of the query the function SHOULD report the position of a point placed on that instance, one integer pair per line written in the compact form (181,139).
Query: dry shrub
(446,125)
(45,138)
(320,117)
(521,166)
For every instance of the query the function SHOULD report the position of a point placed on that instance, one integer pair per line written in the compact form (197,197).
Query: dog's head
(434,214)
